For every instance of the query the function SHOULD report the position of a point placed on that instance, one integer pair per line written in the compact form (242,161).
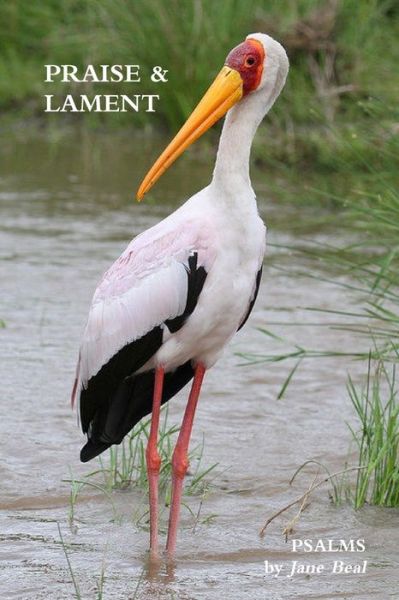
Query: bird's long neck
(232,161)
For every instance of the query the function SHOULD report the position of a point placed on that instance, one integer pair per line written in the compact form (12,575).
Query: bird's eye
(250,61)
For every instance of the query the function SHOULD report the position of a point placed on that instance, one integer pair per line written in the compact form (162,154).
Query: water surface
(67,211)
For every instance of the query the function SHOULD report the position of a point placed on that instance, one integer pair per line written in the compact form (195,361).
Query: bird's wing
(151,283)
(253,298)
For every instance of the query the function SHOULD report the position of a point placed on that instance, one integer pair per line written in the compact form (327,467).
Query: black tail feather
(91,450)
(131,402)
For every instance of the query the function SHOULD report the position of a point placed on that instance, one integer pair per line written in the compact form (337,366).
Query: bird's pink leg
(154,460)
(180,458)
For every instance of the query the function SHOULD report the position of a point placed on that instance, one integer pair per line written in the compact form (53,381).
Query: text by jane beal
(296,567)
(315,566)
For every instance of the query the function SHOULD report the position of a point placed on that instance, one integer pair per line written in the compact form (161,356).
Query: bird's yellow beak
(225,91)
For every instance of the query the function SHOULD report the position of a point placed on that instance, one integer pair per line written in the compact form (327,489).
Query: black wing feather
(251,304)
(196,279)
(115,398)
(132,402)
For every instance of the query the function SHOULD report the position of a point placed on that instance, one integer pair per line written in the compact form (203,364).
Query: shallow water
(67,211)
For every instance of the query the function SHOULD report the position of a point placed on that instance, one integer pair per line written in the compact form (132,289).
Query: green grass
(99,590)
(336,117)
(78,594)
(75,489)
(337,50)
(377,439)
(364,261)
(374,480)
(374,278)
(125,468)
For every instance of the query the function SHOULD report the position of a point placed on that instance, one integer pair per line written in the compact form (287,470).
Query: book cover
(235,421)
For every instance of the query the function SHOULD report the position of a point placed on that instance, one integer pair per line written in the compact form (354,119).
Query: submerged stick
(304,497)
(290,525)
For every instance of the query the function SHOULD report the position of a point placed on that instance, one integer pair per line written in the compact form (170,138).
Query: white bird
(164,311)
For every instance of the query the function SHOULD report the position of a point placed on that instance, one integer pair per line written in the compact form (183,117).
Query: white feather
(146,286)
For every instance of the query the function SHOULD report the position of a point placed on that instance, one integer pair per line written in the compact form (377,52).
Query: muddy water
(66,213)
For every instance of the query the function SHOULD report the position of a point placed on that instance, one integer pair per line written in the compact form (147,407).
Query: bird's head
(262,64)
(258,66)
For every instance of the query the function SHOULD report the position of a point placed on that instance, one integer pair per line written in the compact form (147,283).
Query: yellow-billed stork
(164,311)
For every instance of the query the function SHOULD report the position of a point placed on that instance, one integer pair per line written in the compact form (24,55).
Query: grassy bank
(342,54)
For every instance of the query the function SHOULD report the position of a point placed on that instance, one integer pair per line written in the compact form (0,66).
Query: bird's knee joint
(180,464)
(153,461)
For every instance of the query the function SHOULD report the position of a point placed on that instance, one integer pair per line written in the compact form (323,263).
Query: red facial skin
(248,58)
